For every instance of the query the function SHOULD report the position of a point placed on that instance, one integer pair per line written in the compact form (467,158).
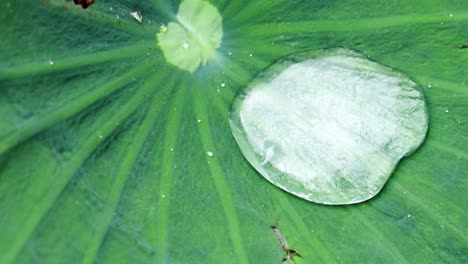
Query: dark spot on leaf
(464,46)
(84,3)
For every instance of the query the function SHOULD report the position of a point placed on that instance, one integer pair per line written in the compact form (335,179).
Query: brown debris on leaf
(290,253)
(84,3)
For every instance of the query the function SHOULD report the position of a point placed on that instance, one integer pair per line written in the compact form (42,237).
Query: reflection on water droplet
(51,62)
(186,45)
(198,120)
(429,86)
(446,110)
(210,154)
(450,15)
(409,215)
(223,85)
(250,54)
(163,196)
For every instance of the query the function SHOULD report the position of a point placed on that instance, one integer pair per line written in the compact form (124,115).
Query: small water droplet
(137,16)
(172,149)
(223,85)
(218,90)
(229,53)
(409,215)
(163,196)
(111,9)
(250,55)
(51,62)
(446,110)
(429,86)
(198,120)
(117,16)
(147,53)
(210,154)
(186,45)
(450,15)
(163,28)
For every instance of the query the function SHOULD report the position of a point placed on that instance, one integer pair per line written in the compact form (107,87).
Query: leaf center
(193,38)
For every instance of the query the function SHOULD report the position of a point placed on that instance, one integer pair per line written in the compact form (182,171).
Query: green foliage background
(103,160)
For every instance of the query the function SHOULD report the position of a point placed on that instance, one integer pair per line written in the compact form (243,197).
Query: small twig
(290,253)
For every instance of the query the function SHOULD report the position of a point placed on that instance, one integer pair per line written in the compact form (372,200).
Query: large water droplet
(329,129)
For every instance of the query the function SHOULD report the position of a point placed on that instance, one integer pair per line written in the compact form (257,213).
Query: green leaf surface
(103,158)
